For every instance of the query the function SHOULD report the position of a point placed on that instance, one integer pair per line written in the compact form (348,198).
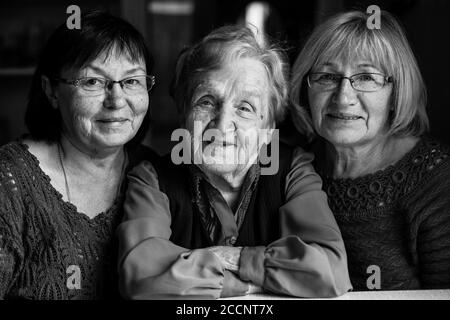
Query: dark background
(25,26)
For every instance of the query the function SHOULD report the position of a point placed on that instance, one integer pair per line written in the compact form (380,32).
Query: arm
(309,259)
(151,266)
(432,209)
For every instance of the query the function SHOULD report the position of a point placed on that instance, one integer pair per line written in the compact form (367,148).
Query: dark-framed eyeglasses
(92,86)
(365,82)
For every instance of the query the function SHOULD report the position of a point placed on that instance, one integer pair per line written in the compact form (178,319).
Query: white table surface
(364,295)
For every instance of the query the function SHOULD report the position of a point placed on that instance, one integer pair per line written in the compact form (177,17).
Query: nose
(345,94)
(115,97)
(223,120)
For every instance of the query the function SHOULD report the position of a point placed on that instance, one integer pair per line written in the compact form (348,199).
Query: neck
(359,160)
(90,161)
(226,183)
(229,186)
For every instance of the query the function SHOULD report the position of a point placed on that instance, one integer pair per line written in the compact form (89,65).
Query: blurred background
(169,25)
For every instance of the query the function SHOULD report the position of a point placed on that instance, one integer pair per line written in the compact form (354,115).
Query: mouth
(219,142)
(112,120)
(343,116)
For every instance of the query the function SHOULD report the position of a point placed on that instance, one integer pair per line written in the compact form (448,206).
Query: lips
(112,120)
(220,142)
(344,116)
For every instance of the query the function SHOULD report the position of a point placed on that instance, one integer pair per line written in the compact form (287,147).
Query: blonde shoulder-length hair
(346,36)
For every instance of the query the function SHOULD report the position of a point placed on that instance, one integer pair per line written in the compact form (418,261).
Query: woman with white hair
(220,226)
(359,95)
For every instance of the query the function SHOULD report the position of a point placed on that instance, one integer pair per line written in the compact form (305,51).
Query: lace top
(397,220)
(48,250)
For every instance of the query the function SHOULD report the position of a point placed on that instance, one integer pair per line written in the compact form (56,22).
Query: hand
(229,256)
(254,289)
(233,286)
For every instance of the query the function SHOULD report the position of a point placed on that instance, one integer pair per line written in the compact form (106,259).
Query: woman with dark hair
(359,95)
(61,187)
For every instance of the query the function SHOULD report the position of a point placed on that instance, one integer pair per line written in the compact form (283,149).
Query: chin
(218,166)
(343,137)
(113,141)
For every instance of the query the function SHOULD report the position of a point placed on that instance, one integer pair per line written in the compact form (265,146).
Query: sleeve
(432,208)
(309,259)
(150,265)
(11,247)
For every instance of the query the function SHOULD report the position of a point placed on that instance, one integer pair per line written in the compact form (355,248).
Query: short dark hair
(217,48)
(72,49)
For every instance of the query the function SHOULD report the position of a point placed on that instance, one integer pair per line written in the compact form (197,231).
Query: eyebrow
(102,71)
(367,65)
(331,64)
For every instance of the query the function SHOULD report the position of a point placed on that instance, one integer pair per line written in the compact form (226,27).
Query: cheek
(199,119)
(317,103)
(139,106)
(78,112)
(378,112)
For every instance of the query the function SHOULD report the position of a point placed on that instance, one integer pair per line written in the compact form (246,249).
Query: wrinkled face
(228,109)
(344,116)
(108,120)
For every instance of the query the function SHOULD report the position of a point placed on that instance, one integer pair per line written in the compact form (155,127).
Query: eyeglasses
(365,82)
(94,86)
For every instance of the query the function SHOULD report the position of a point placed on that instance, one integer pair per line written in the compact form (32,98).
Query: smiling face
(344,116)
(230,104)
(104,121)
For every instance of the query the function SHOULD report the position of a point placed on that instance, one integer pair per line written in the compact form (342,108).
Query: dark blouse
(307,259)
(49,250)
(396,222)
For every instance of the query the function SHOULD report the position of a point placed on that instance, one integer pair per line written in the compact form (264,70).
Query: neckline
(381,172)
(101,216)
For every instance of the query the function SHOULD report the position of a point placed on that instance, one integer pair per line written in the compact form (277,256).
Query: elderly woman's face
(230,104)
(107,120)
(344,116)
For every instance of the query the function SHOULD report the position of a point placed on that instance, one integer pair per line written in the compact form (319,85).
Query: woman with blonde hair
(358,95)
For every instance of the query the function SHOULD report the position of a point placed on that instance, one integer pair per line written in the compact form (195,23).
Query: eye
(245,107)
(92,82)
(325,78)
(131,81)
(366,77)
(206,102)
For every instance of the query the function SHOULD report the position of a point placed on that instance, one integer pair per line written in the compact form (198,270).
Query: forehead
(239,75)
(111,61)
(116,59)
(357,52)
(341,65)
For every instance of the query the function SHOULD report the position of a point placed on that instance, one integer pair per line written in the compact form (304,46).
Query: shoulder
(429,174)
(428,162)
(156,170)
(301,162)
(15,163)
(140,153)
(302,177)
(15,179)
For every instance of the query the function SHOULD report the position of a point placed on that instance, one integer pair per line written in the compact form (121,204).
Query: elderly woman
(61,187)
(220,226)
(360,95)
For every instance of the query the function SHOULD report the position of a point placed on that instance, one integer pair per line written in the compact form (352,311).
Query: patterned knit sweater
(396,222)
(48,250)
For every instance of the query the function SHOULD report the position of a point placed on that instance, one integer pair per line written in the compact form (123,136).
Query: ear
(49,91)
